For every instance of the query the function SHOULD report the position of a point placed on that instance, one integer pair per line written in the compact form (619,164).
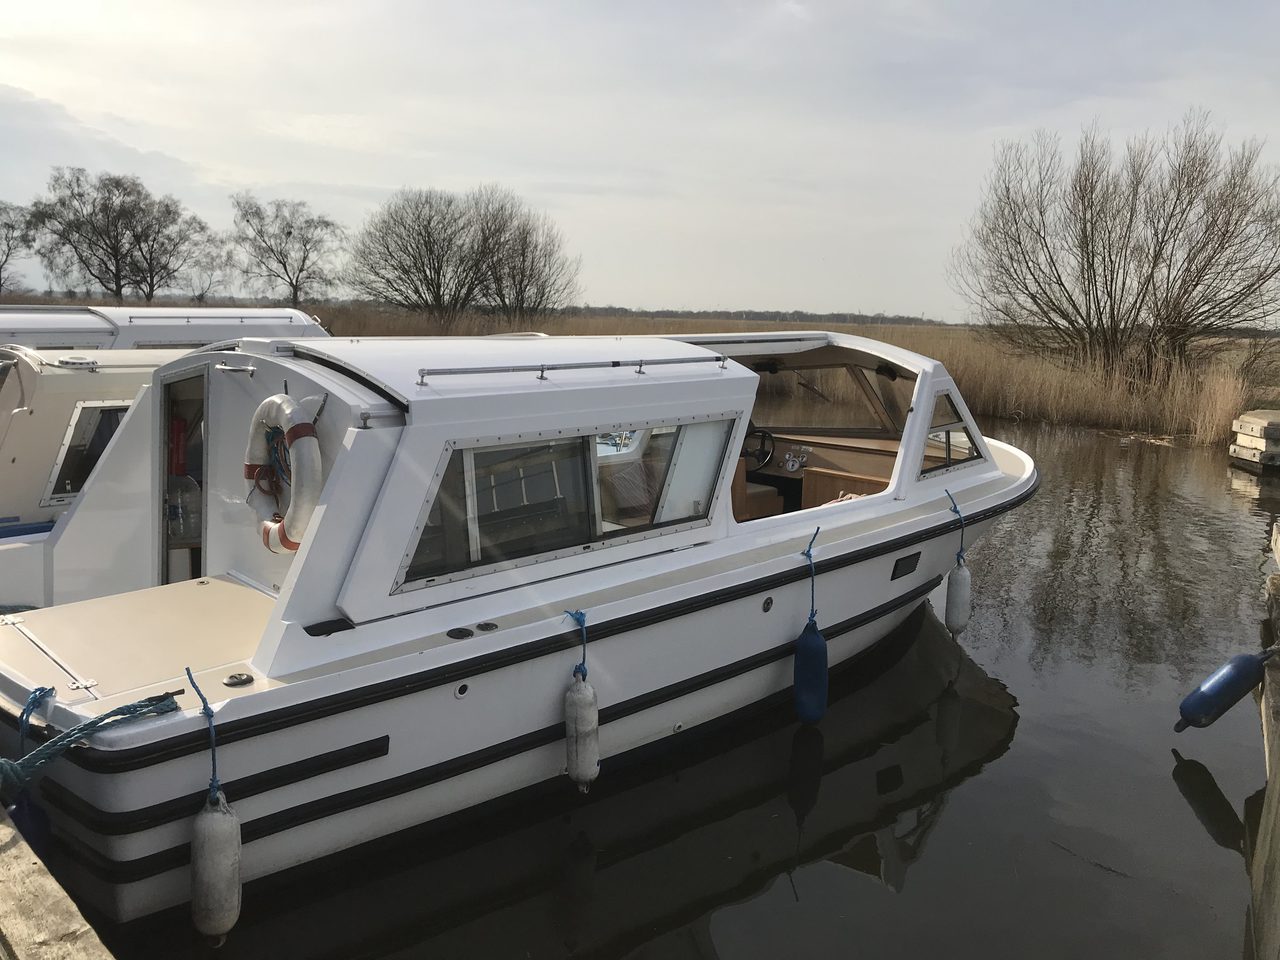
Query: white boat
(67,379)
(69,328)
(386,640)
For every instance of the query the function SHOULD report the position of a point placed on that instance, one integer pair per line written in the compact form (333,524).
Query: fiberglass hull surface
(662,842)
(319,785)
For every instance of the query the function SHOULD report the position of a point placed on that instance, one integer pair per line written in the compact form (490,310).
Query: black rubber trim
(195,741)
(325,628)
(303,353)
(114,824)
(142,868)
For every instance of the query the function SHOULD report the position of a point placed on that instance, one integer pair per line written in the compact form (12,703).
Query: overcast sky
(774,155)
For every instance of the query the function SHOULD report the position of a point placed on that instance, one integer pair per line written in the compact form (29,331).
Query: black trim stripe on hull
(117,823)
(195,741)
(142,868)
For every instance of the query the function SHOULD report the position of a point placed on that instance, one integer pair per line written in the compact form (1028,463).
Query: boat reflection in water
(658,846)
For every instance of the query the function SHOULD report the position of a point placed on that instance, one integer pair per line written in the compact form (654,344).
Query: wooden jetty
(1257,440)
(38,921)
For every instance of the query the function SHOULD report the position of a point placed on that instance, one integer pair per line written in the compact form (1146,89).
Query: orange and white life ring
(284,532)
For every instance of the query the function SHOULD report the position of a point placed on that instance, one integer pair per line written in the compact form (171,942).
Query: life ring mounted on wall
(282,423)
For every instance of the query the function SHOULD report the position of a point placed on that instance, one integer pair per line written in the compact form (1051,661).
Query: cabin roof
(422,368)
(801,349)
(47,361)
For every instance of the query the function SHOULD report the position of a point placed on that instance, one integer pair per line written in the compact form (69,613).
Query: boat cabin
(59,410)
(68,376)
(457,460)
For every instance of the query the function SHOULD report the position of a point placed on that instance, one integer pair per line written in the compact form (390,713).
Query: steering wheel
(757,446)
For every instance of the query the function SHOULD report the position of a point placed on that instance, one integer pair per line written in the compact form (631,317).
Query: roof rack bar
(541,369)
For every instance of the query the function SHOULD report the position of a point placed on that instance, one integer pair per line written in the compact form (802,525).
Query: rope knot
(214,786)
(580,618)
(955,508)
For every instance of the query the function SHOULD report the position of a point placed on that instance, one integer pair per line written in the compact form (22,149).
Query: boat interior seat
(751,500)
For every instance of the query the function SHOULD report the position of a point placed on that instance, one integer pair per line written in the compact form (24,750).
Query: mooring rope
(214,785)
(956,510)
(807,553)
(580,618)
(16,774)
(37,696)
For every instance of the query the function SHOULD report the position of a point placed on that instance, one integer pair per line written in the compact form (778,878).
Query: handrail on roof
(542,368)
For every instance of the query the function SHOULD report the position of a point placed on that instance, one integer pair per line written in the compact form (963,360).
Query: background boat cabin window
(92,427)
(950,443)
(506,502)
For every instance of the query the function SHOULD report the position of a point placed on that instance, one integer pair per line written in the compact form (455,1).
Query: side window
(950,443)
(506,502)
(92,427)
(530,499)
(658,477)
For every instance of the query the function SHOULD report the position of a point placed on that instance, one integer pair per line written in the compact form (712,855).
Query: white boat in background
(376,593)
(68,377)
(138,328)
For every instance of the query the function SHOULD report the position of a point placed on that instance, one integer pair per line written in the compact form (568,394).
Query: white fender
(581,733)
(284,533)
(215,868)
(959,604)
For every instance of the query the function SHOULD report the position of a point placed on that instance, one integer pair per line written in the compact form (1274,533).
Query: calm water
(1012,798)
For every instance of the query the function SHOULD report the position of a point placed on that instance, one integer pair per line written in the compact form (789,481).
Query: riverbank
(1197,408)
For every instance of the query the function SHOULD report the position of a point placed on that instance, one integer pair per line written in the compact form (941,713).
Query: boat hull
(340,771)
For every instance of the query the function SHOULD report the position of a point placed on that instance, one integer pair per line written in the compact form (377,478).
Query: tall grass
(1195,405)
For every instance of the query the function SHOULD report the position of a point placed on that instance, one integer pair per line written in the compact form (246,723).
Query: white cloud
(803,153)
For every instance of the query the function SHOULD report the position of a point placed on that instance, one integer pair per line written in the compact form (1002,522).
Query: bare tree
(284,246)
(422,250)
(529,272)
(15,241)
(1138,258)
(445,253)
(164,241)
(83,227)
(211,269)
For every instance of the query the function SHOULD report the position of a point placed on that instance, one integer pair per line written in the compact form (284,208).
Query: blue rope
(38,696)
(16,774)
(580,618)
(956,510)
(278,454)
(214,785)
(807,553)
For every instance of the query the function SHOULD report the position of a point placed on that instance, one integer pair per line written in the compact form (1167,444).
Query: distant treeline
(754,316)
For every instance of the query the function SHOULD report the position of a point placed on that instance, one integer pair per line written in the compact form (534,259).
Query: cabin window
(530,499)
(660,476)
(949,443)
(503,503)
(91,429)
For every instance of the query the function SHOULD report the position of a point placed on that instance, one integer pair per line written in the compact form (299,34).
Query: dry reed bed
(994,382)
